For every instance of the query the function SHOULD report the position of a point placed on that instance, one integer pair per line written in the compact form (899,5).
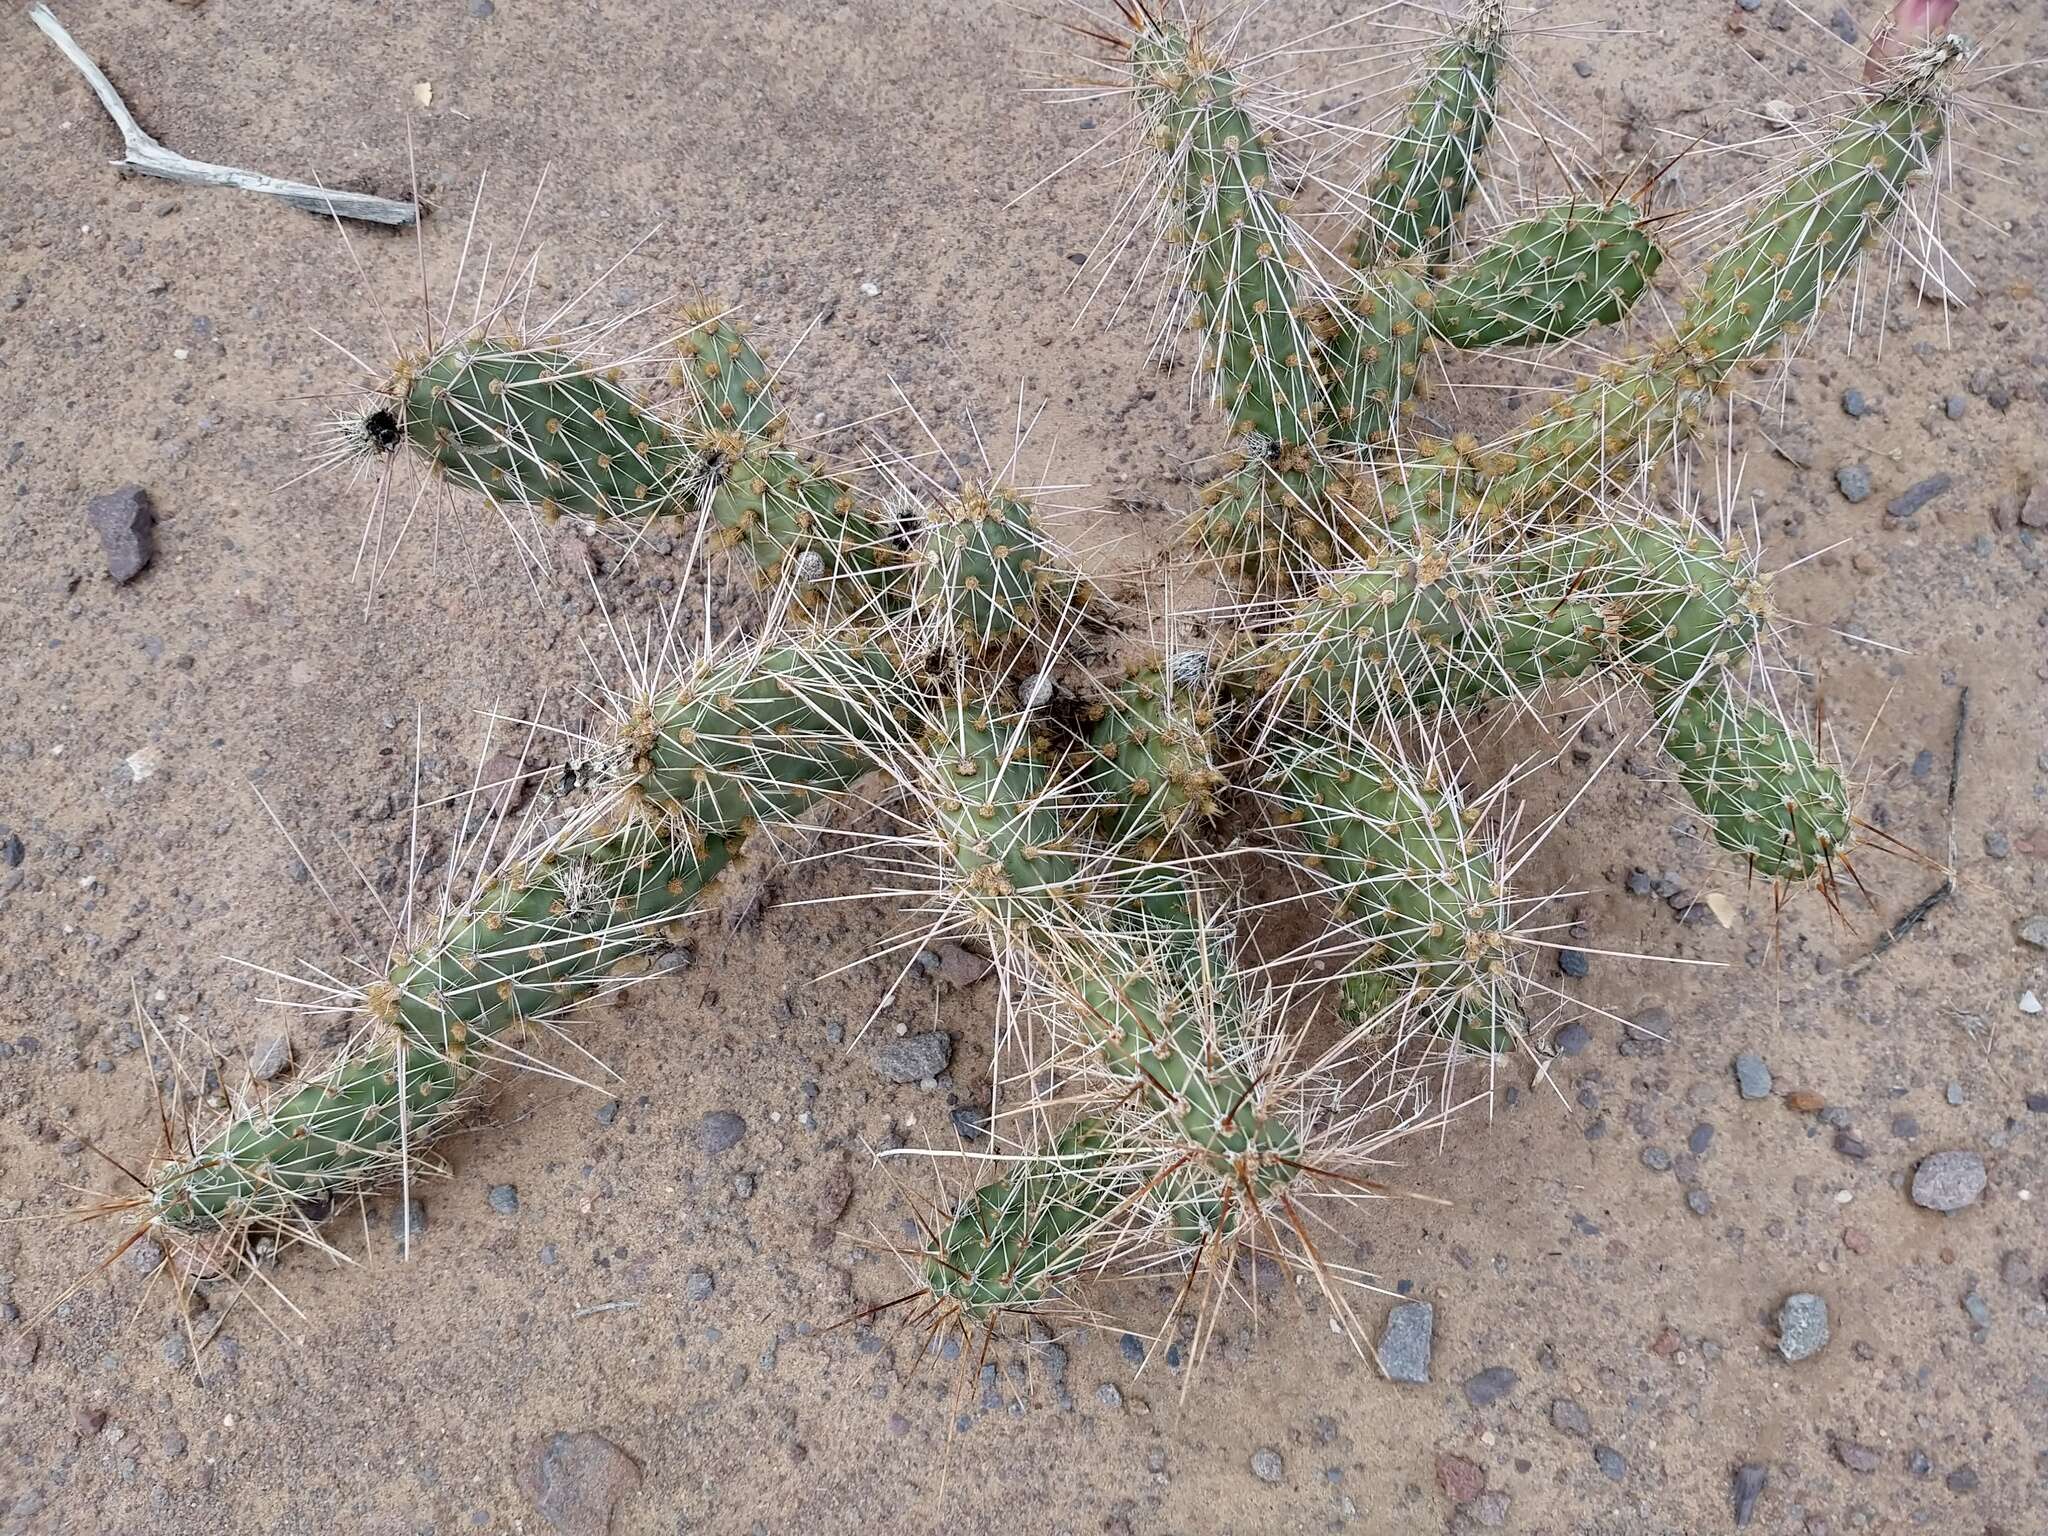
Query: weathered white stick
(146,155)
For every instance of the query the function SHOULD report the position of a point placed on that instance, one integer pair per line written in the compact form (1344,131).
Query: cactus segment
(533,944)
(729,385)
(1549,278)
(1160,1004)
(1244,269)
(1803,240)
(1013,1241)
(1155,776)
(986,575)
(538,427)
(759,736)
(996,811)
(1432,164)
(1764,789)
(804,530)
(1379,327)
(1412,878)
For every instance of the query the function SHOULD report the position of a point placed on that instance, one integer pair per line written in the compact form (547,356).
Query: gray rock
(1267,1466)
(270,1055)
(1962,1480)
(1749,1482)
(1656,1159)
(125,520)
(1489,1386)
(1699,1202)
(1573,1039)
(2033,931)
(1702,1137)
(1752,1077)
(719,1131)
(1568,1417)
(913,1058)
(1109,1395)
(1853,481)
(1917,495)
(1407,1340)
(698,1285)
(1843,25)
(1802,1326)
(1948,1181)
(12,853)
(505,1199)
(1573,963)
(409,1221)
(1954,406)
(1610,1461)
(576,1481)
(1854,403)
(1978,1308)
(1857,1458)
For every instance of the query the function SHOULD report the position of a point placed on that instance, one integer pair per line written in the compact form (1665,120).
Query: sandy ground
(855,165)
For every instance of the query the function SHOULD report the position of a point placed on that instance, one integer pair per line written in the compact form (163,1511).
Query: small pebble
(1949,1181)
(1702,1137)
(1997,845)
(1802,1326)
(1752,1077)
(1656,1159)
(1854,403)
(1573,963)
(2033,931)
(1407,1340)
(505,1199)
(913,1058)
(1853,481)
(1267,1466)
(1917,495)
(1962,1480)
(1699,1202)
(719,1131)
(125,520)
(1489,1386)
(1572,1039)
(1749,1482)
(1857,1458)
(1953,407)
(1978,1308)
(409,1220)
(1610,1461)
(1569,1418)
(698,1285)
(270,1055)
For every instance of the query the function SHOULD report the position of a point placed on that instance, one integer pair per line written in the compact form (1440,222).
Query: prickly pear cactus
(1388,584)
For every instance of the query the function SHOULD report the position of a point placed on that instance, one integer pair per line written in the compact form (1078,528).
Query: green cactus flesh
(803,529)
(996,816)
(537,427)
(1379,325)
(1431,166)
(531,945)
(728,383)
(1155,775)
(1242,253)
(1412,878)
(1764,789)
(1013,1241)
(1800,243)
(1549,278)
(759,736)
(985,571)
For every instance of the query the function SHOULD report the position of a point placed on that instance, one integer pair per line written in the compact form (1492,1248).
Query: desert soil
(1605,1246)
